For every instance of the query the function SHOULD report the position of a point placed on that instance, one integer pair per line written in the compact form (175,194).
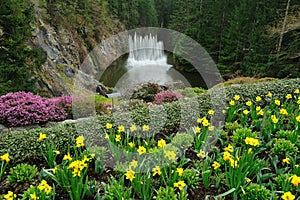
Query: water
(146,62)
(146,50)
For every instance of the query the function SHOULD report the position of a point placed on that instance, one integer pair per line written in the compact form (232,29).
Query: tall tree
(17,60)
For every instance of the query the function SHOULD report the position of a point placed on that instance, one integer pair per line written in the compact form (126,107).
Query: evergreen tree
(17,60)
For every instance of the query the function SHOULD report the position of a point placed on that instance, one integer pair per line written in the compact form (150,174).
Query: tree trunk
(283,28)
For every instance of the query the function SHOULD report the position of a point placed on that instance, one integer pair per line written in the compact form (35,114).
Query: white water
(146,50)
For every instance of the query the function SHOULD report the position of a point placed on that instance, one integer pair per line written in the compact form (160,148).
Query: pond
(147,62)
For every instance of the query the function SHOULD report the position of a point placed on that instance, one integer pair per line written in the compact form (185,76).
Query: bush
(22,173)
(167,193)
(191,92)
(278,89)
(21,108)
(146,92)
(256,191)
(239,135)
(283,148)
(19,144)
(167,97)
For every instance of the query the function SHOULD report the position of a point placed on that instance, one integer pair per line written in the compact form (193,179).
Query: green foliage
(256,191)
(182,140)
(146,92)
(132,104)
(22,173)
(17,60)
(116,190)
(230,127)
(166,193)
(41,194)
(239,135)
(282,181)
(23,142)
(191,177)
(191,92)
(135,13)
(283,148)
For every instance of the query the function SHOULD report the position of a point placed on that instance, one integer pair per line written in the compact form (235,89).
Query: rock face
(62,58)
(65,48)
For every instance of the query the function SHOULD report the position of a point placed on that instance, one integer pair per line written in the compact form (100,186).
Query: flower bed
(253,155)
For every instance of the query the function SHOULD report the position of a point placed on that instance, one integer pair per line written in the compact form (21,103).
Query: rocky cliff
(67,41)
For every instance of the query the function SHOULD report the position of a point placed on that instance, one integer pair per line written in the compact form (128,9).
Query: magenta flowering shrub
(64,102)
(167,96)
(25,108)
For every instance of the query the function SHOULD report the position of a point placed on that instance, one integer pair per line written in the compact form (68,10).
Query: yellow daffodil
(10,195)
(67,157)
(233,163)
(118,138)
(258,98)
(269,94)
(229,148)
(161,143)
(211,128)
(277,102)
(211,112)
(245,112)
(131,144)
(121,129)
(180,185)
(130,174)
(141,150)
(133,163)
(288,96)
(261,112)
(44,186)
(133,128)
(252,141)
(54,170)
(199,120)
(201,154)
(258,108)
(197,129)
(288,196)
(205,122)
(57,152)
(5,157)
(42,136)
(298,118)
(226,156)
(283,111)
(33,196)
(216,165)
(231,103)
(236,97)
(108,125)
(145,127)
(80,141)
(249,103)
(156,170)
(274,119)
(179,171)
(295,180)
(286,160)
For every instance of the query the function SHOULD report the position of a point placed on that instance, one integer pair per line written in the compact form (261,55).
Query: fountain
(146,62)
(146,50)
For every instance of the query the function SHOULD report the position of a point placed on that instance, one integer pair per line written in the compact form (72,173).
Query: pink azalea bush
(25,108)
(167,96)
